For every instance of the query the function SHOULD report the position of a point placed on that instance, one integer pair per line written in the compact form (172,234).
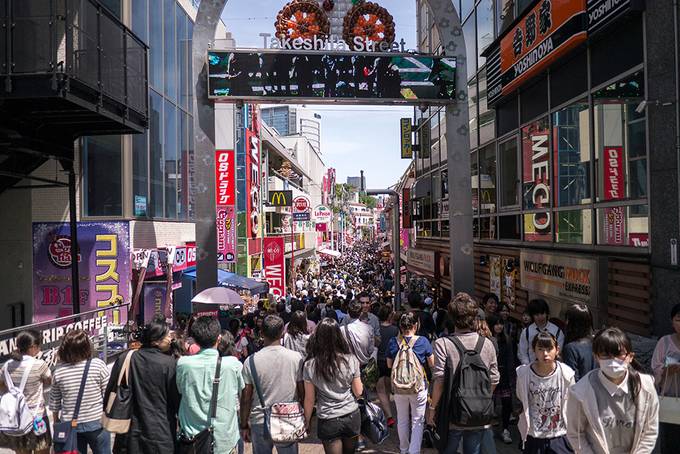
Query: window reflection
(623,226)
(574,227)
(571,139)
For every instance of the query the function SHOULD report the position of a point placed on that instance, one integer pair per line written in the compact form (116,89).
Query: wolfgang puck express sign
(560,276)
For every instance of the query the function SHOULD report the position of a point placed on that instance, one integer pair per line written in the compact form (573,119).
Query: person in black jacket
(427,327)
(155,398)
(506,367)
(578,343)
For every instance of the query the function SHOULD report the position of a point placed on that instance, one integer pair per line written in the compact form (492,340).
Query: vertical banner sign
(253,174)
(104,265)
(406,139)
(275,265)
(225,200)
(406,208)
(495,275)
(536,183)
(154,300)
(226,234)
(425,136)
(615,217)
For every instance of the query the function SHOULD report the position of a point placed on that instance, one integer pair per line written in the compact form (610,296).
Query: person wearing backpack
(542,387)
(21,384)
(540,312)
(74,352)
(407,355)
(464,377)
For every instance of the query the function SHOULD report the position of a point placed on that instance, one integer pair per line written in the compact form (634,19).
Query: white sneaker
(506,436)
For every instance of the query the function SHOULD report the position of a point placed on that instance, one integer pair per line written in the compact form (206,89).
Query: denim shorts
(346,426)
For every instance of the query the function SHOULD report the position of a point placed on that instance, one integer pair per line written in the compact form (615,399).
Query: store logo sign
(280,198)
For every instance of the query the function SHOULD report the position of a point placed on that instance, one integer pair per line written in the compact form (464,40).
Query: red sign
(253,174)
(301,204)
(275,265)
(614,218)
(191,254)
(638,239)
(226,234)
(536,181)
(225,182)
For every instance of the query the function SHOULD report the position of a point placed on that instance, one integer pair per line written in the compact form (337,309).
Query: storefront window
(487,178)
(574,227)
(505,14)
(623,226)
(537,226)
(140,174)
(103,176)
(170,160)
(487,228)
(474,173)
(536,165)
(571,143)
(156,164)
(484,28)
(469,33)
(156,44)
(472,112)
(487,116)
(620,141)
(509,173)
(170,49)
(509,228)
(445,183)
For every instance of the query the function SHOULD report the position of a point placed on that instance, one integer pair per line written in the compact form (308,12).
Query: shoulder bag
(65,438)
(118,406)
(284,422)
(204,441)
(369,372)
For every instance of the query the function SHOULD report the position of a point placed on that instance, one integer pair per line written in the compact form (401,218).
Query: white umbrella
(218,296)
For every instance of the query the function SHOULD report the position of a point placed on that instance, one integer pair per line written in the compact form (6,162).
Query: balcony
(68,68)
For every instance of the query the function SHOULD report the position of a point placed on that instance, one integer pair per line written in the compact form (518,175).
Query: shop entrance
(239,77)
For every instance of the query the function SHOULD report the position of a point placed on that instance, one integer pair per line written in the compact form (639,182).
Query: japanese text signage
(406,139)
(615,217)
(226,234)
(225,177)
(104,267)
(225,200)
(154,300)
(560,276)
(547,31)
(275,265)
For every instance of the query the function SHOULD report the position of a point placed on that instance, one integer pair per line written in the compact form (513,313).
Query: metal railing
(76,38)
(108,338)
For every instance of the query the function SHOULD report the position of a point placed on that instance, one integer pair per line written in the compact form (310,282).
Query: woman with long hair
(155,397)
(506,367)
(24,359)
(74,353)
(333,382)
(613,409)
(297,336)
(578,343)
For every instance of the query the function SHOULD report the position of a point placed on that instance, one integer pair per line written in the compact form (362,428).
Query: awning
(236,281)
(300,254)
(330,252)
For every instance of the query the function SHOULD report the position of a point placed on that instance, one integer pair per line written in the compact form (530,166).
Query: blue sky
(352,138)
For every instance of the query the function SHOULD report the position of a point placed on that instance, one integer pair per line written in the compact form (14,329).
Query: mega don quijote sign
(559,275)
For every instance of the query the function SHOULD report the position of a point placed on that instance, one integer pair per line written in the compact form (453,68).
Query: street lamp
(396,249)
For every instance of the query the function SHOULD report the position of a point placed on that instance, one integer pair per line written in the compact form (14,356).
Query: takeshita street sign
(343,77)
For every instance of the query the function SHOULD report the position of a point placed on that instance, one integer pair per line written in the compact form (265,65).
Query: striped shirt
(66,384)
(40,372)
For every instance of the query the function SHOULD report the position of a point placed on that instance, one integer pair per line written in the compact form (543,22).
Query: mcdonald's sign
(280,198)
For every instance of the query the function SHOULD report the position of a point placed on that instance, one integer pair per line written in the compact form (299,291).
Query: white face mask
(614,368)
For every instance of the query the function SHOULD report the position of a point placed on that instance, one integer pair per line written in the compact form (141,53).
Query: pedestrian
(332,384)
(441,318)
(613,409)
(666,367)
(24,360)
(490,304)
(464,312)
(510,326)
(297,336)
(196,376)
(506,369)
(74,353)
(277,372)
(426,326)
(337,306)
(410,404)
(154,395)
(578,343)
(539,311)
(359,335)
(226,346)
(542,388)
(365,316)
(298,305)
(388,331)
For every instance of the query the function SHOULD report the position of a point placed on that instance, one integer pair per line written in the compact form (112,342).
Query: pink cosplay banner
(226,234)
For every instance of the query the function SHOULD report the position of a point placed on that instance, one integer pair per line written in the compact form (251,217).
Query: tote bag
(669,406)
(118,408)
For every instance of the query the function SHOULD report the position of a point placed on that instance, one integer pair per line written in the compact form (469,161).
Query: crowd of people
(445,372)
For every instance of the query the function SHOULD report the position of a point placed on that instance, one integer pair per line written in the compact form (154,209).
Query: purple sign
(104,266)
(154,300)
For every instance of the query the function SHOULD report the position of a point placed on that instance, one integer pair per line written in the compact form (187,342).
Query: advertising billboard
(275,265)
(253,174)
(225,200)
(536,185)
(350,77)
(560,276)
(104,266)
(614,187)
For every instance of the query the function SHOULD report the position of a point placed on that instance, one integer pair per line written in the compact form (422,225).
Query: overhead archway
(450,31)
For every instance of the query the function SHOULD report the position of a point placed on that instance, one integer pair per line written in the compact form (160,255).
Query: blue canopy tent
(236,282)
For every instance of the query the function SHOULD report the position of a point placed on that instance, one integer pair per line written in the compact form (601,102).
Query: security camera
(423,107)
(641,107)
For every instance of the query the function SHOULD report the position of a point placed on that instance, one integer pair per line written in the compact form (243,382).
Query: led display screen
(349,77)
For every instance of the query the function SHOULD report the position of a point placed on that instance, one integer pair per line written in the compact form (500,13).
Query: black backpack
(471,403)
